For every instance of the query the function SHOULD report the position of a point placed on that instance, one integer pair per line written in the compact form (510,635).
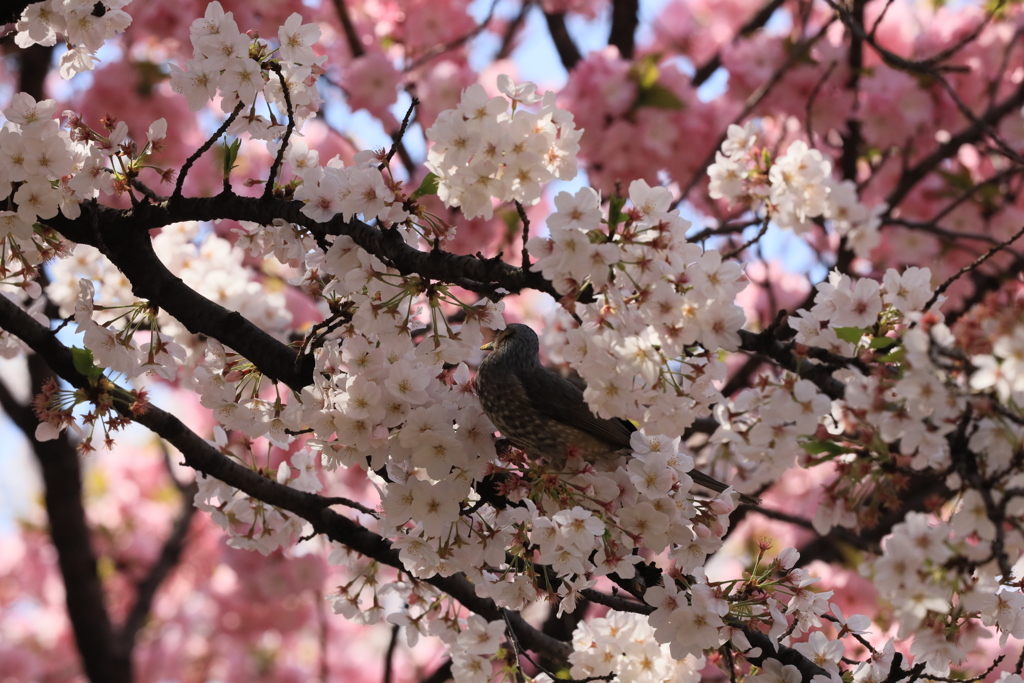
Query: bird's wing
(558,398)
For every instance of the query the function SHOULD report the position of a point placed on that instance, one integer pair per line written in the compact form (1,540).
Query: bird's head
(516,343)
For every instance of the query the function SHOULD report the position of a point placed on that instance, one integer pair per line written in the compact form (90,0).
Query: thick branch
(782,354)
(786,655)
(625,17)
(102,657)
(122,235)
(351,34)
(567,50)
(705,70)
(170,554)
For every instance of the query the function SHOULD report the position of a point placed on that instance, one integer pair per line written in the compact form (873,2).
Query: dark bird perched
(544,414)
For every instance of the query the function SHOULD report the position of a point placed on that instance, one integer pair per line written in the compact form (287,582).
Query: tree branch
(910,177)
(122,235)
(625,17)
(170,554)
(567,50)
(757,21)
(203,457)
(103,658)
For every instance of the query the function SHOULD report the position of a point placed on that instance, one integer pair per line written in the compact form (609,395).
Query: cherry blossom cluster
(382,401)
(843,304)
(241,67)
(1003,368)
(363,579)
(929,559)
(916,409)
(623,645)
(85,26)
(482,151)
(912,414)
(347,190)
(231,390)
(250,523)
(658,296)
(48,169)
(38,174)
(586,523)
(915,576)
(390,405)
(759,429)
(118,350)
(794,190)
(775,595)
(476,646)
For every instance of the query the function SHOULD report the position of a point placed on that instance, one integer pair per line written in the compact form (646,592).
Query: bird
(544,414)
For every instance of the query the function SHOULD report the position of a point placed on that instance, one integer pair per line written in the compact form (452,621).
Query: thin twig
(349,28)
(973,679)
(928,66)
(451,45)
(757,21)
(615,602)
(931,228)
(268,191)
(337,500)
(526,234)
(760,233)
(809,109)
(1003,64)
(146,190)
(202,150)
(1008,151)
(396,139)
(508,37)
(971,266)
(389,656)
(878,20)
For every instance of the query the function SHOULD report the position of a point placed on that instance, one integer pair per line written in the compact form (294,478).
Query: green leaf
(850,334)
(427,187)
(817,446)
(882,342)
(645,72)
(231,155)
(961,180)
(615,204)
(85,363)
(803,55)
(659,97)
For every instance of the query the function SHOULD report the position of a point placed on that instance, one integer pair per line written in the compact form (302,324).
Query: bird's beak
(488,346)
